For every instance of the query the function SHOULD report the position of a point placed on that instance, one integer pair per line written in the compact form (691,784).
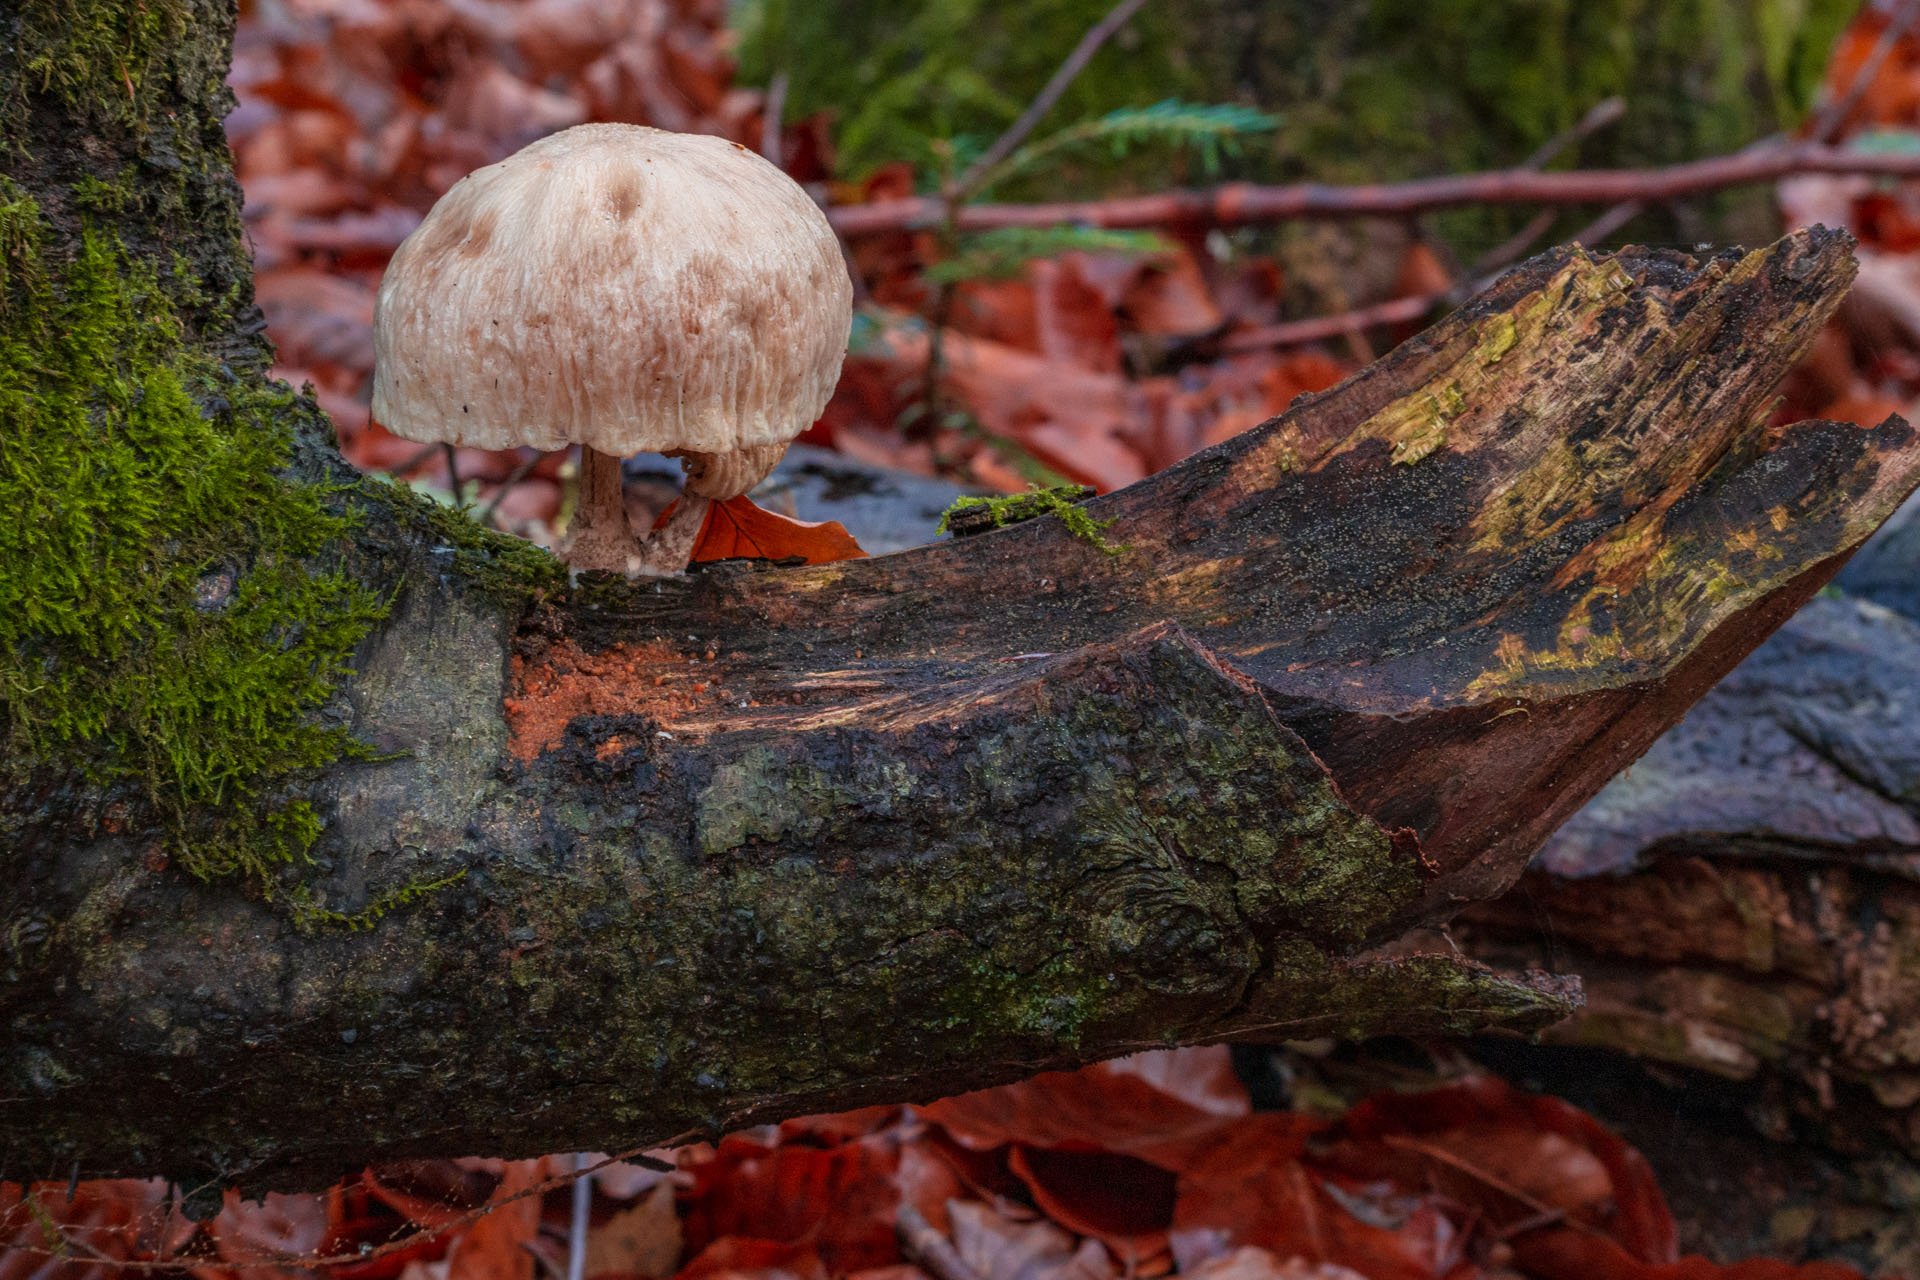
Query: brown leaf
(737,528)
(1171,299)
(1251,1263)
(493,1247)
(644,1240)
(998,1249)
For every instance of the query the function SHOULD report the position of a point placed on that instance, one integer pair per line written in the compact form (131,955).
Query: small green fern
(1000,253)
(1214,131)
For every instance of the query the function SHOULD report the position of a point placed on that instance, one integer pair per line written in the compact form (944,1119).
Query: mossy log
(529,866)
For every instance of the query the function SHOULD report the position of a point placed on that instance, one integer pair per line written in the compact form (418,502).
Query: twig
(1003,146)
(771,113)
(1825,128)
(415,460)
(453,473)
(514,477)
(926,1246)
(1832,118)
(1296,333)
(1609,222)
(1243,204)
(1602,114)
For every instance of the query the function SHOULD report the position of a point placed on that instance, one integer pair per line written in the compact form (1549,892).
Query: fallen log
(1742,902)
(613,863)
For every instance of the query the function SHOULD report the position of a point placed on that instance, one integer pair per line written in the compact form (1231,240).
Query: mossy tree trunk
(336,829)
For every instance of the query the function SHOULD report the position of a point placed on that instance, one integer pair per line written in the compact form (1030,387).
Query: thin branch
(453,472)
(1600,115)
(1609,222)
(1832,118)
(1297,333)
(1825,128)
(1244,204)
(514,477)
(1017,132)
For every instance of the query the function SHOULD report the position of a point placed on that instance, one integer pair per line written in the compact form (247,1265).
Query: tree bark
(639,859)
(1745,902)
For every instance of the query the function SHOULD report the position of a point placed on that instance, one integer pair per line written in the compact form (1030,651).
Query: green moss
(98,55)
(164,622)
(309,915)
(1016,507)
(510,569)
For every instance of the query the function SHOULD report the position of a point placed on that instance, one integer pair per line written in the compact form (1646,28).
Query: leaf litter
(1144,1167)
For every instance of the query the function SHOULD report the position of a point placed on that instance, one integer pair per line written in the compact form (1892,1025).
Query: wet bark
(764,840)
(1745,902)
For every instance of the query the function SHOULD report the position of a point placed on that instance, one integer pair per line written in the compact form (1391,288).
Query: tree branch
(1243,204)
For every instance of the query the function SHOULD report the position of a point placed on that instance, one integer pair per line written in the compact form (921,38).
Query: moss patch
(95,54)
(977,515)
(163,623)
(509,569)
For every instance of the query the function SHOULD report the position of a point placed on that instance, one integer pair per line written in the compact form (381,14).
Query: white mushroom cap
(619,287)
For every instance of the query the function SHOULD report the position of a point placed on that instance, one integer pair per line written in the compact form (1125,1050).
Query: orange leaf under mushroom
(737,528)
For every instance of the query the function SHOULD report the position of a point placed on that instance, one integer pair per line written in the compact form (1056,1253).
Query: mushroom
(625,289)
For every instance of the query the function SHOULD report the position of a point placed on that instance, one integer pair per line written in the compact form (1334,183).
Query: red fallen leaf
(1201,1075)
(998,311)
(1170,298)
(1250,295)
(998,1249)
(1640,1220)
(433,1193)
(1107,1108)
(841,1126)
(355,1217)
(1421,273)
(1286,1209)
(1125,1203)
(736,528)
(1251,1263)
(491,1249)
(840,1201)
(1072,322)
(741,1258)
(114,1219)
(1861,408)
(266,1237)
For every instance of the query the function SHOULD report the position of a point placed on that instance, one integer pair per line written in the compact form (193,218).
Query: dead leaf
(642,1241)
(998,1249)
(741,1258)
(737,528)
(839,1201)
(1251,1263)
(493,1248)
(274,1230)
(1170,298)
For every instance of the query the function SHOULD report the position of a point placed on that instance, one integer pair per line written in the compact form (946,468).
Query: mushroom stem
(671,546)
(600,537)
